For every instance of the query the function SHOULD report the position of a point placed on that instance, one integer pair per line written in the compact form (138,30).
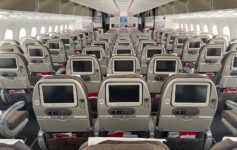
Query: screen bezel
(170,73)
(10,69)
(147,58)
(35,56)
(232,64)
(214,56)
(194,42)
(74,104)
(123,72)
(94,55)
(54,43)
(83,73)
(175,104)
(126,104)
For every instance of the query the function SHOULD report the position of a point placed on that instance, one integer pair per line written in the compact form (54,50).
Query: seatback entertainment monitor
(58,95)
(82,67)
(124,94)
(123,66)
(191,94)
(8,64)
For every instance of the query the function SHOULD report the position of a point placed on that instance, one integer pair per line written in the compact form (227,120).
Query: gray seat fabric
(13,121)
(16,118)
(225,145)
(17,146)
(125,145)
(231,117)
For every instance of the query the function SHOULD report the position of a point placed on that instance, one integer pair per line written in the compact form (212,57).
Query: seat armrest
(60,71)
(10,111)
(231,104)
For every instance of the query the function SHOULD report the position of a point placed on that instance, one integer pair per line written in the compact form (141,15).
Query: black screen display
(36,52)
(82,66)
(123,93)
(235,62)
(214,52)
(191,93)
(96,53)
(152,52)
(53,45)
(165,66)
(123,51)
(123,65)
(58,94)
(124,44)
(8,63)
(194,45)
(66,41)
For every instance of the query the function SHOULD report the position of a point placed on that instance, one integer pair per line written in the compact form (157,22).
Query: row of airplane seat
(119,82)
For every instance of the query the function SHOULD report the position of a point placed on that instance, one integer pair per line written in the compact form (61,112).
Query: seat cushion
(14,120)
(225,145)
(231,117)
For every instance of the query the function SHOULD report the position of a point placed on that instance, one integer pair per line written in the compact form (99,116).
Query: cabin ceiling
(122,7)
(117,7)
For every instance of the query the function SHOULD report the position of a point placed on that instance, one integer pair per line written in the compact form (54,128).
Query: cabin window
(186,26)
(198,28)
(22,32)
(8,35)
(205,28)
(226,31)
(65,27)
(56,29)
(42,30)
(61,28)
(215,30)
(33,31)
(181,26)
(50,29)
(192,29)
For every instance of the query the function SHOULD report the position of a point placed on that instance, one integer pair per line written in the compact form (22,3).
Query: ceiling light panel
(107,6)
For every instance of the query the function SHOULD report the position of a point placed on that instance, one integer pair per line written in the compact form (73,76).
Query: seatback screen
(95,53)
(214,52)
(191,93)
(123,65)
(123,44)
(36,53)
(123,93)
(123,51)
(58,94)
(194,45)
(82,66)
(165,66)
(8,63)
(152,52)
(53,45)
(235,62)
